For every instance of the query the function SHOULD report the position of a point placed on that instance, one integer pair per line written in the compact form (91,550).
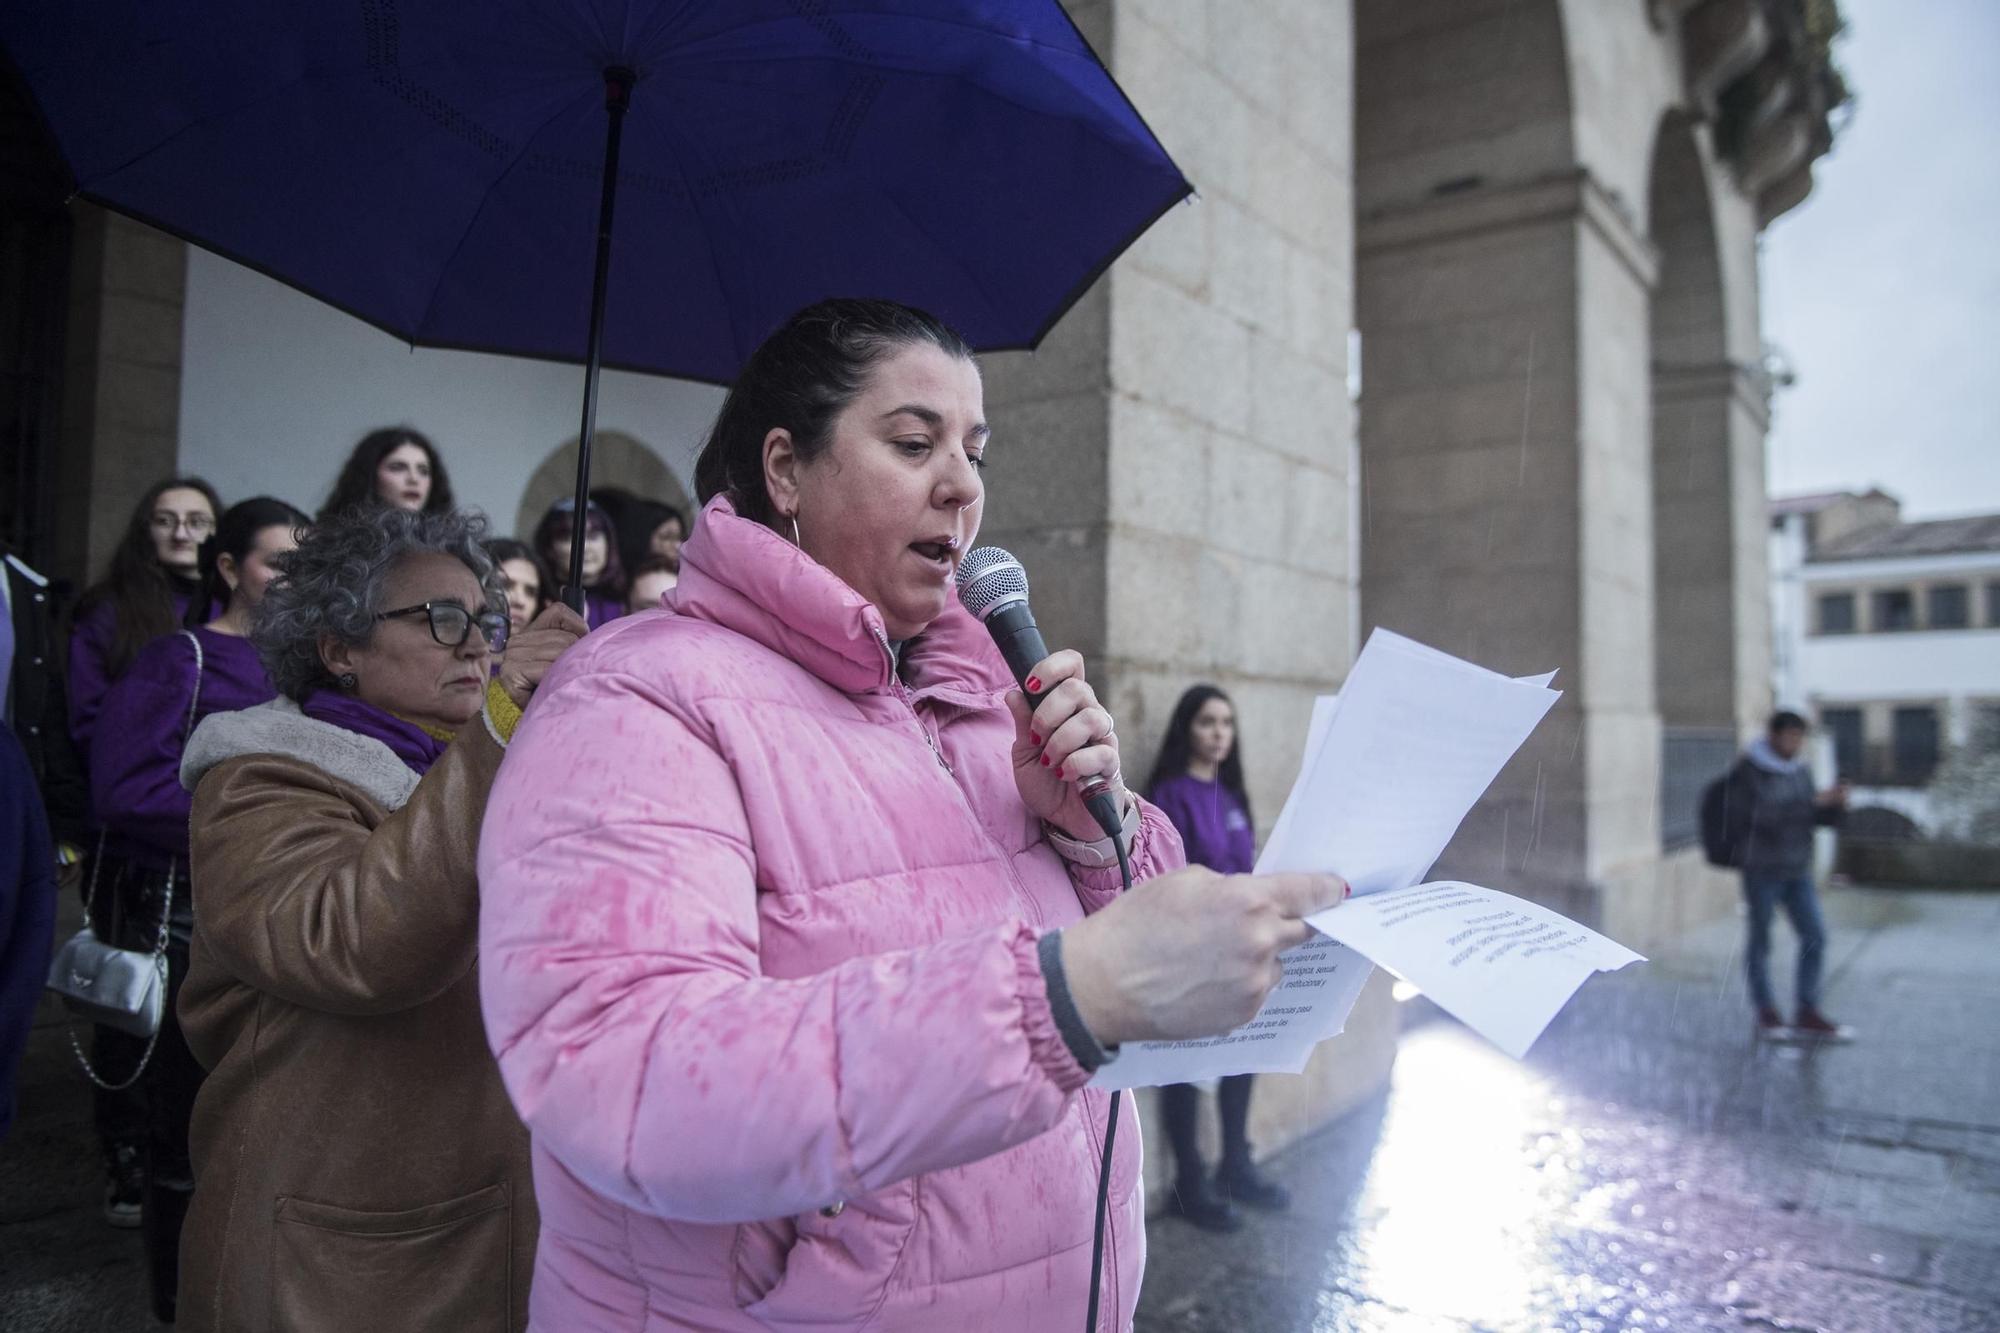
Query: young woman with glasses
(152,581)
(135,767)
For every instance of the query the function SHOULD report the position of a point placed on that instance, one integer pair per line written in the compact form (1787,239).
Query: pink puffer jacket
(758,959)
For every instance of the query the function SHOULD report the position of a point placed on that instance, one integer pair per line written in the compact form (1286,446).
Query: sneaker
(126,1187)
(1771,1024)
(1812,1023)
(1205,1208)
(1245,1184)
(121,1205)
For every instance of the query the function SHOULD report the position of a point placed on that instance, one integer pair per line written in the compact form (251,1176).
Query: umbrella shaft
(617,96)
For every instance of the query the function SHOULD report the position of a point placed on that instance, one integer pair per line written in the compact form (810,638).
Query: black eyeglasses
(451,624)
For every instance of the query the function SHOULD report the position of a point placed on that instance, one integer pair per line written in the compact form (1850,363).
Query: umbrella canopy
(434,166)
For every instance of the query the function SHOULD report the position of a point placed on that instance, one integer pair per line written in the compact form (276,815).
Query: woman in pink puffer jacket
(771,885)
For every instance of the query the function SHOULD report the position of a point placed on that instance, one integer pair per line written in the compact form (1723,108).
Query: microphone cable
(1110,1133)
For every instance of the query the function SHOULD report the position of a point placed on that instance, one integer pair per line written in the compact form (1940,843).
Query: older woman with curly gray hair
(357,1164)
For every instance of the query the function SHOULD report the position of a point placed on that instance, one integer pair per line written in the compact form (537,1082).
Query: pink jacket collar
(740,574)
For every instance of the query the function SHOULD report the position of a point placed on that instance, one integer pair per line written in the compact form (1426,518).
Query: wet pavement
(1651,1167)
(1648,1168)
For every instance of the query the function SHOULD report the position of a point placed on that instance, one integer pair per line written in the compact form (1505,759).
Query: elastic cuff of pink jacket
(1046,1046)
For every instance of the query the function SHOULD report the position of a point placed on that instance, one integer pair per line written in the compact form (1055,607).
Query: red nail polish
(1045,761)
(1034,684)
(1062,775)
(1034,738)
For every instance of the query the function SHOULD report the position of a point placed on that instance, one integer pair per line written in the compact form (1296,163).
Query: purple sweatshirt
(135,761)
(601,608)
(410,742)
(89,664)
(1211,821)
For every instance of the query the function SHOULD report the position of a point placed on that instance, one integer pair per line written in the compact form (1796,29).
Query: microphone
(993,586)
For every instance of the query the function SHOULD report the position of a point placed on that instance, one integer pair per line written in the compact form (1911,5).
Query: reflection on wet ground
(1651,1167)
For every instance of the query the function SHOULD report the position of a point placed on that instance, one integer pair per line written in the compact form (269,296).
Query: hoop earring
(795,530)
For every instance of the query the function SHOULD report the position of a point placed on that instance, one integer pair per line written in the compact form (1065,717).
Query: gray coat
(1776,807)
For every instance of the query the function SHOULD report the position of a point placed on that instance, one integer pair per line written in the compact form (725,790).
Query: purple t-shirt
(601,608)
(90,668)
(135,757)
(1212,823)
(410,742)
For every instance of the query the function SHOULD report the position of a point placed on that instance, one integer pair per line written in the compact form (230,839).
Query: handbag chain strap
(166,913)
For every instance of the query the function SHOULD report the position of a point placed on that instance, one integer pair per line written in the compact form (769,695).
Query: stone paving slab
(1652,1166)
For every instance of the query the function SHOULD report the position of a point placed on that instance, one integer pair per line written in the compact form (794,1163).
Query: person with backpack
(1759,818)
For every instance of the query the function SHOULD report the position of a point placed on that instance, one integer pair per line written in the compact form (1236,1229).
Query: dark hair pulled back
(798,381)
(235,536)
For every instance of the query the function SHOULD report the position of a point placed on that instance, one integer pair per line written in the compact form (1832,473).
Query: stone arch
(1470,211)
(1693,463)
(1454,96)
(616,459)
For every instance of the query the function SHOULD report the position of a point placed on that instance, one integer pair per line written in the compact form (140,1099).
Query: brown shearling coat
(357,1162)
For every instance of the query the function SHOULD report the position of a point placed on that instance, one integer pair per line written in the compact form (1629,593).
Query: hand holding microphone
(1065,747)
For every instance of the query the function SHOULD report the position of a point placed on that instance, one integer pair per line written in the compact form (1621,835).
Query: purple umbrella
(447,169)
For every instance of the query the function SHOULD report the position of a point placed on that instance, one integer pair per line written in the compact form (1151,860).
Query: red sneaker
(1770,1023)
(1812,1023)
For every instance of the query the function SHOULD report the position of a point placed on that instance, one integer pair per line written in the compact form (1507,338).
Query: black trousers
(1180,1105)
(157,1111)
(171,1081)
(120,1117)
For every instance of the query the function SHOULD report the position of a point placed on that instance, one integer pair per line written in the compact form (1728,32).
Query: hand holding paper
(1392,766)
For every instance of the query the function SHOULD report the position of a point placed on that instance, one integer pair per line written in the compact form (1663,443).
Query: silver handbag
(119,988)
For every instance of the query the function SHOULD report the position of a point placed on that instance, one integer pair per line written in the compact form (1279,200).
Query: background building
(1541,216)
(1890,633)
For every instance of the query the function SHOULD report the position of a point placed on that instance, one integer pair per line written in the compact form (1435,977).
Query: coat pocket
(444,1265)
(830,1268)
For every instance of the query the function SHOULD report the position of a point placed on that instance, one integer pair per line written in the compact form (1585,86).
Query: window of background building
(1947,606)
(1836,613)
(1844,725)
(1986,728)
(1895,608)
(1993,604)
(1914,743)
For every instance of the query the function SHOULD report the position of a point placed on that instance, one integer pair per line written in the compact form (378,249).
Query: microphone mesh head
(988,578)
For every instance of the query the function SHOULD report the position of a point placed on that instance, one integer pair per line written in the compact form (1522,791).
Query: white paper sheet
(1322,980)
(1417,738)
(1392,765)
(1501,965)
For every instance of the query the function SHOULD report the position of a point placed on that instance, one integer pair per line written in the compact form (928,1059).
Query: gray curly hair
(332,584)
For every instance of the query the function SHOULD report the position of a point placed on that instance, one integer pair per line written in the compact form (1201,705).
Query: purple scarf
(410,742)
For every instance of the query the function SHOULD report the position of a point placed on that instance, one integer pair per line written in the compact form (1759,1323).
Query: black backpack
(1722,844)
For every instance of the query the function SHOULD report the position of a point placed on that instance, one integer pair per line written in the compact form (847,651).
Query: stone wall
(121,383)
(1561,428)
(1175,466)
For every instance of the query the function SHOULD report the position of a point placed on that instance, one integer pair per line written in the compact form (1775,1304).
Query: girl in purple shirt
(603,573)
(1198,782)
(135,772)
(152,580)
(154,573)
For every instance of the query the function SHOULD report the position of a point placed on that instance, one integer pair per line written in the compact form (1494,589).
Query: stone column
(1714,615)
(121,382)
(1506,501)
(1174,465)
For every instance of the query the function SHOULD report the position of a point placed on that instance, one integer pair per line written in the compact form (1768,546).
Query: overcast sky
(1883,288)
